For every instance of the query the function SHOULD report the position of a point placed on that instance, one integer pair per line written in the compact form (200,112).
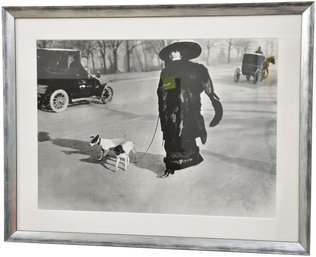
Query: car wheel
(257,76)
(237,75)
(106,95)
(262,75)
(59,100)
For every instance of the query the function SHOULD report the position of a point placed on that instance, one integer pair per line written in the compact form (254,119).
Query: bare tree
(246,45)
(144,48)
(270,47)
(156,46)
(241,47)
(88,48)
(115,44)
(229,43)
(66,44)
(209,44)
(43,43)
(130,45)
(138,55)
(150,54)
(103,52)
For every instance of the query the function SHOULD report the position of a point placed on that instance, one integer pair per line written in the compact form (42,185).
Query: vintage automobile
(251,67)
(61,78)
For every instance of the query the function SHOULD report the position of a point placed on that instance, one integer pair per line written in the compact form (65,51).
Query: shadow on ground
(46,108)
(250,111)
(151,162)
(243,83)
(260,166)
(43,136)
(79,147)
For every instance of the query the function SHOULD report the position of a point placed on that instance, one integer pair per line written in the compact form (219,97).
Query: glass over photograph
(168,126)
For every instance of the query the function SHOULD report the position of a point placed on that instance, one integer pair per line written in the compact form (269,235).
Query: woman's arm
(207,83)
(209,90)
(162,104)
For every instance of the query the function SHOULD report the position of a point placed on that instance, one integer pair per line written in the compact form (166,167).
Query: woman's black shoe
(166,173)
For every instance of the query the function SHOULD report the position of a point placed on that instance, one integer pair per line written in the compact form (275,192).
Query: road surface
(237,177)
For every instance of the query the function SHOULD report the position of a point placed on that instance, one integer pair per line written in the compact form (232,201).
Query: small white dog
(123,151)
(105,144)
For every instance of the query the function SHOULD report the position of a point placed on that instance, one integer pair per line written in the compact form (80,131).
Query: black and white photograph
(161,127)
(166,126)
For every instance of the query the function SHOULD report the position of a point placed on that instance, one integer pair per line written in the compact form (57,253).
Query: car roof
(253,54)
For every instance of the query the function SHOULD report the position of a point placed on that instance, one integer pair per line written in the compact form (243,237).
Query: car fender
(58,85)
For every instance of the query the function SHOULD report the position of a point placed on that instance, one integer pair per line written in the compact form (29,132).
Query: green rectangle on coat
(169,83)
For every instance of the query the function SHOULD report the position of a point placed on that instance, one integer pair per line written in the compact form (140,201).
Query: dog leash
(151,141)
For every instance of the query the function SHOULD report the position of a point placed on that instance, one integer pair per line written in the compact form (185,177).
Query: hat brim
(189,50)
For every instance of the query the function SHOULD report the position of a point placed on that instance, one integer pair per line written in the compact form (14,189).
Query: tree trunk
(128,56)
(111,69)
(140,61)
(115,64)
(208,55)
(104,64)
(92,60)
(145,60)
(44,43)
(128,61)
(102,47)
(229,50)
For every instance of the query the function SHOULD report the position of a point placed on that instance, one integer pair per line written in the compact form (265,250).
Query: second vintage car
(251,67)
(61,78)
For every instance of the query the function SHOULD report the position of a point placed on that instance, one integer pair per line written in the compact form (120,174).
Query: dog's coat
(105,144)
(123,151)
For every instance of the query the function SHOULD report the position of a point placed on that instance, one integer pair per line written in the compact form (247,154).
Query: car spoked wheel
(257,76)
(106,95)
(263,75)
(237,74)
(59,100)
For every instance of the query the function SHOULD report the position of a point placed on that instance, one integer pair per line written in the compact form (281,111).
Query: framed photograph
(168,126)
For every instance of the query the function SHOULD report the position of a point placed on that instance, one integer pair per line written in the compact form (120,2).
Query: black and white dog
(105,144)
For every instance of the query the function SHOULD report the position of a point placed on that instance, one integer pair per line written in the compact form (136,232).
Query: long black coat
(181,83)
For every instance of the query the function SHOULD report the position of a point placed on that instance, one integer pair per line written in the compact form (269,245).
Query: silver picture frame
(12,234)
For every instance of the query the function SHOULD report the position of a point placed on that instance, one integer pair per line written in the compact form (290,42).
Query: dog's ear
(97,136)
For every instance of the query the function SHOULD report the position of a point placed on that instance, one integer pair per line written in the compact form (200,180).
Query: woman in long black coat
(181,83)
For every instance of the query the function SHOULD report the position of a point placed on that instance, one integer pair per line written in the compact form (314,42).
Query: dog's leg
(126,161)
(105,152)
(117,162)
(102,154)
(134,152)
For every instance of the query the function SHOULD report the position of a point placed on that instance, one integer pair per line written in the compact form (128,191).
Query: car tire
(262,75)
(58,100)
(256,76)
(106,95)
(237,74)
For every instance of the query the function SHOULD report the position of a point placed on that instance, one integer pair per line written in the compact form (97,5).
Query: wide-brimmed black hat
(188,49)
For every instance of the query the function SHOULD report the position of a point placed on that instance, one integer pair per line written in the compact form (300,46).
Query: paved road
(237,177)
